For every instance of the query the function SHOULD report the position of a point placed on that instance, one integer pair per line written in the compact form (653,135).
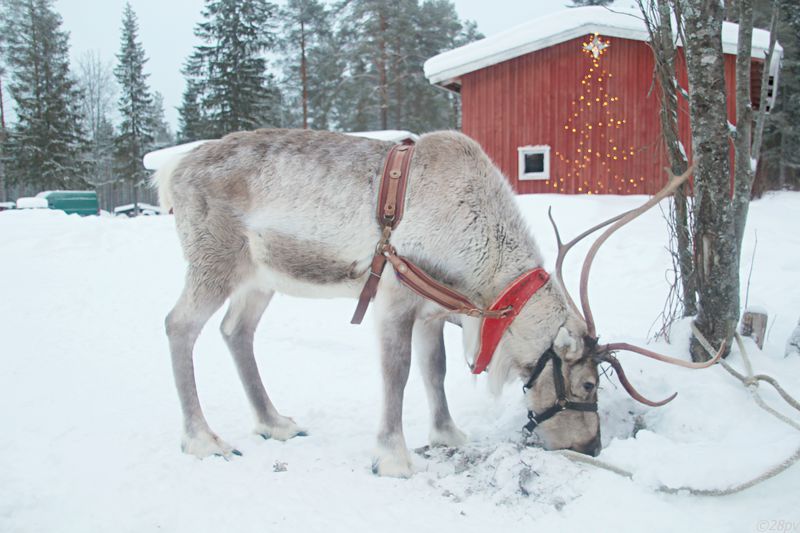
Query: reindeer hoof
(283,430)
(207,444)
(393,465)
(449,436)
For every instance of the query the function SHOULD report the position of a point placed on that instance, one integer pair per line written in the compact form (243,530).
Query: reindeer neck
(509,259)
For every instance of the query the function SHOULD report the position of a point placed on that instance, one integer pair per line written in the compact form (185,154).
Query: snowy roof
(558,27)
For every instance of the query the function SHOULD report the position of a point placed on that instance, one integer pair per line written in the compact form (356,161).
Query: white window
(534,162)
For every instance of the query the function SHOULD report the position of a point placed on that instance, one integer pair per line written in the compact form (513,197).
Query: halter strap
(561,404)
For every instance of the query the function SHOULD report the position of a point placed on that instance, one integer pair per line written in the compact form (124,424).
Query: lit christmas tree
(594,125)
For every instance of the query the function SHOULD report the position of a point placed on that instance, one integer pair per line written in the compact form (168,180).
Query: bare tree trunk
(761,117)
(2,142)
(657,19)
(744,169)
(716,246)
(384,88)
(303,72)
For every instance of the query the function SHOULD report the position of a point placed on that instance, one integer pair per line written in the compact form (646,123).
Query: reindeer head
(561,385)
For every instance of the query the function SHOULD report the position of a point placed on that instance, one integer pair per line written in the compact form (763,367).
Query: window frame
(522,151)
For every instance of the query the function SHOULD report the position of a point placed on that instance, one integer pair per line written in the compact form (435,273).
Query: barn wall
(529,100)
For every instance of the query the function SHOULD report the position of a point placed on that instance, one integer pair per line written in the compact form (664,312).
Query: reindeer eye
(588,386)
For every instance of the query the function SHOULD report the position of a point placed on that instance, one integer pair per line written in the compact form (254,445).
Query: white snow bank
(36,202)
(91,422)
(386,135)
(154,160)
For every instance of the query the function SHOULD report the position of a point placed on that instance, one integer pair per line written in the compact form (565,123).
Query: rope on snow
(751,382)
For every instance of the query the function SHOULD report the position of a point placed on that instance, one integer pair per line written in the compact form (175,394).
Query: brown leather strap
(370,287)
(392,193)
(391,202)
(421,283)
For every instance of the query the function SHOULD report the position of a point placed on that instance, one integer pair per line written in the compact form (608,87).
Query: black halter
(561,393)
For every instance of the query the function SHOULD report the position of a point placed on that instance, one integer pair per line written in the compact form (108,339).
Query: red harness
(494,321)
(513,297)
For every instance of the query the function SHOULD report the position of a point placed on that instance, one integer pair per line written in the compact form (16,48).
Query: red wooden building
(566,103)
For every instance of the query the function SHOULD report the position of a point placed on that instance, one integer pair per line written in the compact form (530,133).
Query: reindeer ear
(566,346)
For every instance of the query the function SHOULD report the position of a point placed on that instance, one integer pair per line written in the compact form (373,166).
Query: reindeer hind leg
(238,329)
(195,306)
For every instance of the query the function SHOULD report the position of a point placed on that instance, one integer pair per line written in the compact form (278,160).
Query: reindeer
(292,211)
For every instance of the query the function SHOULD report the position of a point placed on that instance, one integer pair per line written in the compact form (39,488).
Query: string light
(600,116)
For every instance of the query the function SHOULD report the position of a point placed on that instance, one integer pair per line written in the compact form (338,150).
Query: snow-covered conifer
(45,144)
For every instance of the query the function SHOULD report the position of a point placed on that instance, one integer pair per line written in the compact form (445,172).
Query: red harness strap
(515,296)
(495,320)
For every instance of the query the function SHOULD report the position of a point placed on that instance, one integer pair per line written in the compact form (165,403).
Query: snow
(387,135)
(35,202)
(142,207)
(623,22)
(155,159)
(91,422)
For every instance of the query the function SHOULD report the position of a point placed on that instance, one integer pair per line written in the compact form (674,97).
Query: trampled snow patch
(91,422)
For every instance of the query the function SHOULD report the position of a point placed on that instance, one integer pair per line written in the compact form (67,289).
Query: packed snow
(92,426)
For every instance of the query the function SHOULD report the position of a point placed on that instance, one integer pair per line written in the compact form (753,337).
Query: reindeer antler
(608,358)
(618,222)
(564,248)
(604,351)
(616,346)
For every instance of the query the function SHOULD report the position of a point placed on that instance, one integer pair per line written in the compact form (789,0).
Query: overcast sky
(166,31)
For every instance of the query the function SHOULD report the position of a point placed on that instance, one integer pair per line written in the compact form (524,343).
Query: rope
(751,382)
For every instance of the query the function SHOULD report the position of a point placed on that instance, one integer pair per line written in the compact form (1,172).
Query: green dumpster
(78,202)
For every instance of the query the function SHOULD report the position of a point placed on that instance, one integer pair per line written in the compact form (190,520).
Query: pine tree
(228,86)
(135,103)
(162,133)
(385,44)
(438,29)
(305,39)
(192,119)
(45,145)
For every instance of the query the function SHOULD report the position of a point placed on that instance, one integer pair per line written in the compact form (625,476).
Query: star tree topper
(596,46)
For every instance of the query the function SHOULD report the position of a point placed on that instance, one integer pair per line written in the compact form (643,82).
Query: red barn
(566,103)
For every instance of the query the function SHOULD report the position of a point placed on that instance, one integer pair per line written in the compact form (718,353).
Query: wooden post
(754,325)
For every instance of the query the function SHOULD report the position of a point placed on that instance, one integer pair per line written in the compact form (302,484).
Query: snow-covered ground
(90,432)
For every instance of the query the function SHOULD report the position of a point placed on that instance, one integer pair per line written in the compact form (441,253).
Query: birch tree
(720,213)
(98,90)
(657,16)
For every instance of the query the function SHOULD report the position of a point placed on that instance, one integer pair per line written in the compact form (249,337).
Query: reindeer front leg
(429,350)
(395,323)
